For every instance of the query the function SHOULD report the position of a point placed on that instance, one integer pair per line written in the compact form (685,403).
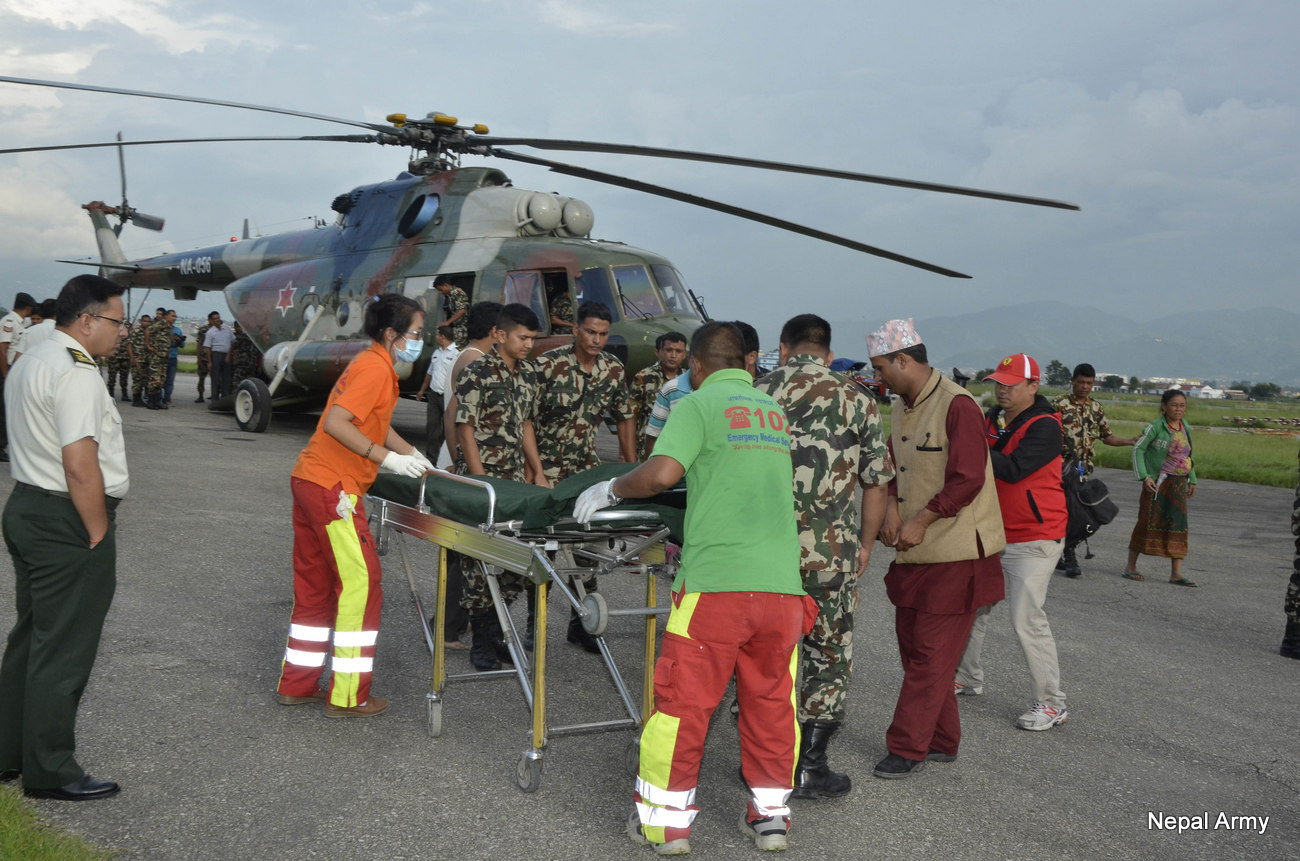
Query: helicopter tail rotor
(124,211)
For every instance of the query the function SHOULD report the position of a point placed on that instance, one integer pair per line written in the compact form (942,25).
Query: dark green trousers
(62,594)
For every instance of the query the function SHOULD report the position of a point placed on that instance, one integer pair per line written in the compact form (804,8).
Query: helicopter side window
(593,286)
(674,291)
(639,297)
(560,321)
(526,288)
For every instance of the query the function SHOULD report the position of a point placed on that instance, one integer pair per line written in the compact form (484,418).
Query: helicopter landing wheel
(252,405)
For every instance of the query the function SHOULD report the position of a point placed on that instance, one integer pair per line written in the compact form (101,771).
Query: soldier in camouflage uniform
(837,443)
(119,366)
(455,308)
(1291,640)
(562,313)
(576,386)
(1083,422)
(140,358)
(245,358)
(202,369)
(158,342)
(495,398)
(670,348)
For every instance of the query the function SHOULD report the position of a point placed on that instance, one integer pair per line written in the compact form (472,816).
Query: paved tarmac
(1179,703)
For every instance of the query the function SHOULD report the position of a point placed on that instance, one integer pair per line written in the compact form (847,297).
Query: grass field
(23,836)
(1221,450)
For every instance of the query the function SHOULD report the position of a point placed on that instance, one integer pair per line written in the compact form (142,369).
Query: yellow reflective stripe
(309,633)
(679,619)
(659,818)
(663,797)
(354,578)
(794,710)
(658,741)
(299,658)
(352,665)
(355,638)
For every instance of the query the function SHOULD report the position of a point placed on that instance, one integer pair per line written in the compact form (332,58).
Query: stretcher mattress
(536,507)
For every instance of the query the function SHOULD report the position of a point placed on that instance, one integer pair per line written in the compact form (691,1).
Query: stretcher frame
(506,545)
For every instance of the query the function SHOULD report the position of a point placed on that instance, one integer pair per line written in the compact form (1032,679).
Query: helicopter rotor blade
(148,222)
(56,147)
(762,164)
(63,85)
(706,203)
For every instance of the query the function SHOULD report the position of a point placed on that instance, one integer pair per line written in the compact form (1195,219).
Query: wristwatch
(609,495)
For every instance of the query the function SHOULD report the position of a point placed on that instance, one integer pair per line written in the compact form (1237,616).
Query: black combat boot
(813,778)
(1291,641)
(152,401)
(1069,563)
(578,635)
(484,630)
(137,401)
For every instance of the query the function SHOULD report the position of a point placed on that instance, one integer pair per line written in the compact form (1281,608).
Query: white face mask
(410,350)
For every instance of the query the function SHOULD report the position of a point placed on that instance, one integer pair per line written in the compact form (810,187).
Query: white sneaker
(680,846)
(1041,717)
(768,833)
(967,690)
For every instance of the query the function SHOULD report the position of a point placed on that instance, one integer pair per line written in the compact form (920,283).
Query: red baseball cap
(1014,369)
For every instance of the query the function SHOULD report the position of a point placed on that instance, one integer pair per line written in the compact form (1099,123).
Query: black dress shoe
(84,788)
(894,766)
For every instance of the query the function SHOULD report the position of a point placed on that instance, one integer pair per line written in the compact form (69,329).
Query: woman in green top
(1162,459)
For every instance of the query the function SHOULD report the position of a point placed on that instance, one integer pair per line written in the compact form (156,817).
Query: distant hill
(1257,344)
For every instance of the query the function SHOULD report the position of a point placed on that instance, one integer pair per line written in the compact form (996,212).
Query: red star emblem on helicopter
(285,302)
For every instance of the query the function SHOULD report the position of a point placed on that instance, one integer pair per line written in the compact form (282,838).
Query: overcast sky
(1174,125)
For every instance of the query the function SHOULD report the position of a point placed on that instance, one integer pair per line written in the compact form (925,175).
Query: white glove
(425,463)
(402,464)
(593,499)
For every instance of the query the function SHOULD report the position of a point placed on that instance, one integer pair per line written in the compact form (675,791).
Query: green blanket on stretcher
(537,507)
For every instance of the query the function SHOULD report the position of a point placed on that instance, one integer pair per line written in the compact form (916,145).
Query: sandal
(1133,575)
(1182,581)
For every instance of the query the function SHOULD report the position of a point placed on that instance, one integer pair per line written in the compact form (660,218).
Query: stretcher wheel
(435,718)
(632,757)
(597,617)
(528,771)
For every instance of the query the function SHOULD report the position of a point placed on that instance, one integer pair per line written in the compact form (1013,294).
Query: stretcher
(505,526)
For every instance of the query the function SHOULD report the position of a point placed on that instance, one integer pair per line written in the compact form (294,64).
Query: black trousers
(434,432)
(62,592)
(221,374)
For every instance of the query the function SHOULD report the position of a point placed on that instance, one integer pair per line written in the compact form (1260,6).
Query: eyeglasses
(414,333)
(122,323)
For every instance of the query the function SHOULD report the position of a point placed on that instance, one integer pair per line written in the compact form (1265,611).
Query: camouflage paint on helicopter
(495,241)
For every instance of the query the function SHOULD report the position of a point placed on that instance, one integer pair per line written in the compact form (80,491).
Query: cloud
(152,19)
(592,19)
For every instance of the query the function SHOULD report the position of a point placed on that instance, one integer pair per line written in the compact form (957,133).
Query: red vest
(1033,508)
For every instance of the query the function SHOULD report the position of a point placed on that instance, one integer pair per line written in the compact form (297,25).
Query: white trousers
(1027,567)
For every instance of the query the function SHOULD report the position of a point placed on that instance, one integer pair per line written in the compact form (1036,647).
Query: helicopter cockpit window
(639,297)
(526,288)
(672,288)
(593,286)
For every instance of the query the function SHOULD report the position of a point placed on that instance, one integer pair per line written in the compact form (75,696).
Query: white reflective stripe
(299,658)
(310,634)
(771,802)
(355,638)
(663,797)
(353,665)
(662,816)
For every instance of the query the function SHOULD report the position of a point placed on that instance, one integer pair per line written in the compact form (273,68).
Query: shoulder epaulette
(81,358)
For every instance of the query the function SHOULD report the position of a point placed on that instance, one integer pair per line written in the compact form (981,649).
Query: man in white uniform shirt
(216,345)
(68,461)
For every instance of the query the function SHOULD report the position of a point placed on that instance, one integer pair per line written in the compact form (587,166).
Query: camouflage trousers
(826,654)
(117,374)
(157,374)
(140,375)
(202,370)
(477,598)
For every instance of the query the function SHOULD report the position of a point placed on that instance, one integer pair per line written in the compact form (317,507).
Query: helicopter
(300,296)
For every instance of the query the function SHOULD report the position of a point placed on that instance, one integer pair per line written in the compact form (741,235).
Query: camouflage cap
(891,337)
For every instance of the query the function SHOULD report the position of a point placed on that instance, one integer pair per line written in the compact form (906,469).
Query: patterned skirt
(1161,528)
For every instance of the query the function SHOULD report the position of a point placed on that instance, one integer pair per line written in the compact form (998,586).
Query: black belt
(112,502)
